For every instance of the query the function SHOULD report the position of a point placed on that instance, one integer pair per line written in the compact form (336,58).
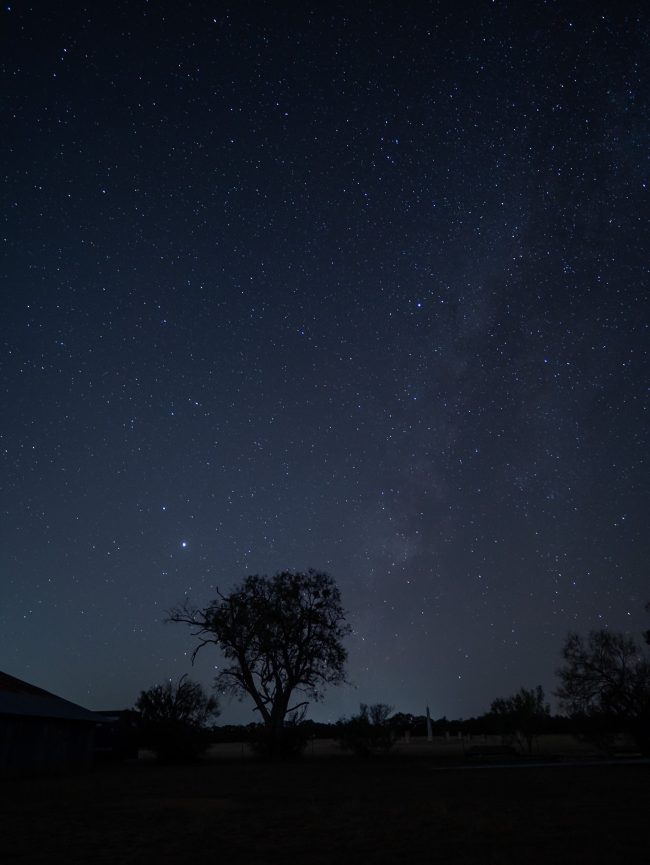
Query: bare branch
(282,633)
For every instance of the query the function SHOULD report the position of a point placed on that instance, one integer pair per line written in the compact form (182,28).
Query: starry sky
(357,287)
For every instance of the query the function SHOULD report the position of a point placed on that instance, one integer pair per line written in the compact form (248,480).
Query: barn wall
(32,744)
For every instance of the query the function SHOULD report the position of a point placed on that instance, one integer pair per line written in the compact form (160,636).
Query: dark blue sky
(291,286)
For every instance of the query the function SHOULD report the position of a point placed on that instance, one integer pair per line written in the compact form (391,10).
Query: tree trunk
(275,728)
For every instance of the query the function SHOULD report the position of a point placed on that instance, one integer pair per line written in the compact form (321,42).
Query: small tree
(523,715)
(378,713)
(173,718)
(607,677)
(403,723)
(281,635)
(369,732)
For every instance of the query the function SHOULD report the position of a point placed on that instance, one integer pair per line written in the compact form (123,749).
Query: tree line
(282,640)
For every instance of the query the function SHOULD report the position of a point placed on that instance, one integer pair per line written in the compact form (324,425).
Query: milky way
(291,287)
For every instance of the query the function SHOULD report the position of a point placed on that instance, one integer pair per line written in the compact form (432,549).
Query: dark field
(330,811)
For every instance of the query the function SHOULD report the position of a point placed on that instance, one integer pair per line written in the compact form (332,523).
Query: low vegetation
(173,719)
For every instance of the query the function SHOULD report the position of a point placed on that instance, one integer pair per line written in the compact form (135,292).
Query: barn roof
(22,698)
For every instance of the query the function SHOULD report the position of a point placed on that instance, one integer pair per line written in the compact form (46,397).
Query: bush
(173,718)
(369,733)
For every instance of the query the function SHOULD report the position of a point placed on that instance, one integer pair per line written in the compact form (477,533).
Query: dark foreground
(329,811)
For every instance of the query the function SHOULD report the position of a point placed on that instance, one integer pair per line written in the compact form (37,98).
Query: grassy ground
(441,748)
(329,810)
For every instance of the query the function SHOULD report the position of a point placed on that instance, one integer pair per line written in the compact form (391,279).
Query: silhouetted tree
(282,634)
(173,718)
(523,715)
(608,676)
(369,732)
(403,722)
(378,713)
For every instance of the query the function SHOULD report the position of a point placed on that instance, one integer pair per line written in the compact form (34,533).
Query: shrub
(173,718)
(369,733)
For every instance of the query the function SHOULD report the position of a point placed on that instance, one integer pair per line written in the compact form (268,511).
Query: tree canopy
(182,703)
(606,673)
(523,715)
(173,717)
(281,634)
(607,676)
(369,732)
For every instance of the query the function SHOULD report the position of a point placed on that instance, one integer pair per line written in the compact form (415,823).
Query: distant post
(429,730)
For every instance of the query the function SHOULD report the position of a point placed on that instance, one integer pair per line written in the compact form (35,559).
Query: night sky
(357,287)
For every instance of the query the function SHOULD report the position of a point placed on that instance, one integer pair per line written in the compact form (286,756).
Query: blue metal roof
(22,698)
